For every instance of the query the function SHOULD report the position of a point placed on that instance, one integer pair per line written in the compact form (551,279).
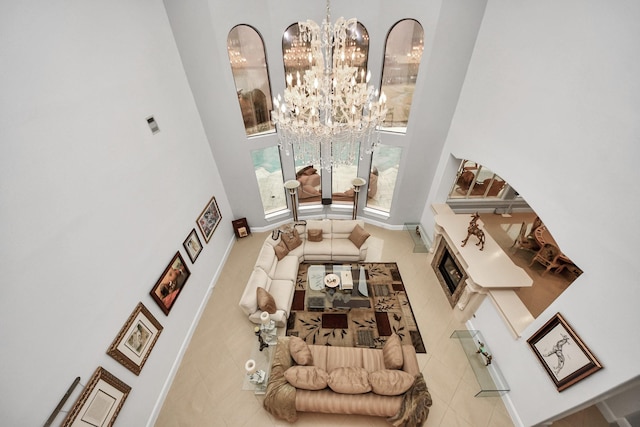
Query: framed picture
(209,219)
(192,245)
(136,339)
(100,401)
(170,284)
(241,227)
(564,356)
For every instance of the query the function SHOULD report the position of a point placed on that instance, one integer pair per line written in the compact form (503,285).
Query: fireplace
(451,275)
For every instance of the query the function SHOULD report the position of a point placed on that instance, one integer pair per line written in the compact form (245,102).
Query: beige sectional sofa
(276,269)
(285,397)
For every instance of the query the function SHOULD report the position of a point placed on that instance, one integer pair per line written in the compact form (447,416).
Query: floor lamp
(292,185)
(357,184)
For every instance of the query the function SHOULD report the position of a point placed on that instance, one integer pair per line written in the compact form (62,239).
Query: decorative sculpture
(485,353)
(261,340)
(474,230)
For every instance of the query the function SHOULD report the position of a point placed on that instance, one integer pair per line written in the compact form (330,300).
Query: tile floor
(207,389)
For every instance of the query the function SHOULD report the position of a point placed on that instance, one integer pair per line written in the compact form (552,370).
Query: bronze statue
(474,229)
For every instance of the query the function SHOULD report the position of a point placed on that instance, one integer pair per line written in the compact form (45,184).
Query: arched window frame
(399,76)
(248,63)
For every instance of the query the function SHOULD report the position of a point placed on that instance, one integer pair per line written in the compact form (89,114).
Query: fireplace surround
(450,274)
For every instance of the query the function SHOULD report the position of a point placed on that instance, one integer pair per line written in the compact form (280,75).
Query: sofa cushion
(314,235)
(372,359)
(291,239)
(266,259)
(300,351)
(390,382)
(307,377)
(358,236)
(282,292)
(287,268)
(265,301)
(341,228)
(349,380)
(343,249)
(249,301)
(281,250)
(392,352)
(319,354)
(338,357)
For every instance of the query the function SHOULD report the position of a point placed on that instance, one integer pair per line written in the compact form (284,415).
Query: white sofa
(278,277)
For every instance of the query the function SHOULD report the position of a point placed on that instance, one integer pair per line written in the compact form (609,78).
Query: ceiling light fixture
(329,115)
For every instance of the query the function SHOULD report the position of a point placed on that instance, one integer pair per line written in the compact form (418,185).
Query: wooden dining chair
(536,223)
(548,256)
(525,242)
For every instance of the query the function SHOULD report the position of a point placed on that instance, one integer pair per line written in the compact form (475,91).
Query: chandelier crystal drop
(329,115)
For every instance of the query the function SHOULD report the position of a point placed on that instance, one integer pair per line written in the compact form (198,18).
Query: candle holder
(256,376)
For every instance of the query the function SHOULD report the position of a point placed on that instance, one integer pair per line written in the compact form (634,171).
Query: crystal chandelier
(330,115)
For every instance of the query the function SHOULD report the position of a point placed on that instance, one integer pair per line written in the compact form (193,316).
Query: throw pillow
(358,236)
(281,250)
(299,351)
(307,377)
(349,380)
(291,239)
(392,353)
(265,301)
(389,382)
(315,235)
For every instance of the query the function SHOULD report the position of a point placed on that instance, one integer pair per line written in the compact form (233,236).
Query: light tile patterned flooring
(207,390)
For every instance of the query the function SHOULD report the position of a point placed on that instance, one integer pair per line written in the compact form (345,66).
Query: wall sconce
(357,184)
(292,185)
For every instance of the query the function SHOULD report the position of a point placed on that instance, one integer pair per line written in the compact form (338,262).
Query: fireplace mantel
(487,272)
(490,268)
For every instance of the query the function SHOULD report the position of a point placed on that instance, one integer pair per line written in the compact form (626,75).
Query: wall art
(169,286)
(192,245)
(100,401)
(209,219)
(136,339)
(564,356)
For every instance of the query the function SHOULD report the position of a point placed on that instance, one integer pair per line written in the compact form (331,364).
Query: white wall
(550,103)
(93,207)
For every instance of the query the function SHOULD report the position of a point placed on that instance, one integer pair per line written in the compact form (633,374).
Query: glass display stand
(263,361)
(415,229)
(489,376)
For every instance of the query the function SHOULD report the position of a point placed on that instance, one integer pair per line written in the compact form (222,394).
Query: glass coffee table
(339,286)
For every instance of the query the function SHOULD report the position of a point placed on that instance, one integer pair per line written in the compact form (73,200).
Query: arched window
(249,67)
(402,54)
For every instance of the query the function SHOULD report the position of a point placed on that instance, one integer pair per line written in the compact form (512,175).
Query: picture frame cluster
(102,398)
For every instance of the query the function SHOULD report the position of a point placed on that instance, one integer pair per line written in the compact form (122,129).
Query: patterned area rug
(368,322)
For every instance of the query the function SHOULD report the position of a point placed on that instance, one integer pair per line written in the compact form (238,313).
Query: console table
(414,230)
(490,378)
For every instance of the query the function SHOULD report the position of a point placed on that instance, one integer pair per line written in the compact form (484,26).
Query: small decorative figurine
(474,229)
(263,344)
(485,353)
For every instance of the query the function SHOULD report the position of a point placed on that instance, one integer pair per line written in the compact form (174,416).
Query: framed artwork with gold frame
(136,339)
(100,401)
